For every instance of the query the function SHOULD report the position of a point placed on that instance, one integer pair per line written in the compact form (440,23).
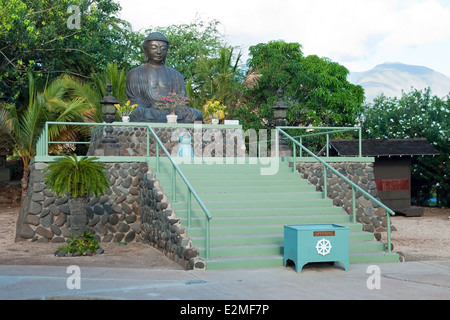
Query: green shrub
(75,177)
(83,244)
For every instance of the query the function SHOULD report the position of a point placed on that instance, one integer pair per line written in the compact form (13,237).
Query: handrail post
(360,142)
(301,149)
(174,184)
(207,239)
(148,142)
(294,159)
(189,207)
(157,157)
(388,221)
(325,191)
(46,139)
(328,145)
(277,143)
(353,204)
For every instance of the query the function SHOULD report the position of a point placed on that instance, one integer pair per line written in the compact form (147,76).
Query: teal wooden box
(316,243)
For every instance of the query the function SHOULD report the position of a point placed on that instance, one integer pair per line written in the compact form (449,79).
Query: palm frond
(75,177)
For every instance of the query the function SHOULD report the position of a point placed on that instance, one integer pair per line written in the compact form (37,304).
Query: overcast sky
(358,34)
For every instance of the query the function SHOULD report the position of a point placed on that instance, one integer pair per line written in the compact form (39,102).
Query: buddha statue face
(156,51)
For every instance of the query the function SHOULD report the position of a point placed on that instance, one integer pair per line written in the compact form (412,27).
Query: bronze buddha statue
(148,83)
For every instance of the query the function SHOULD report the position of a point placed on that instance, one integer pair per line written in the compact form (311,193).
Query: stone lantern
(280,110)
(279,114)
(109,146)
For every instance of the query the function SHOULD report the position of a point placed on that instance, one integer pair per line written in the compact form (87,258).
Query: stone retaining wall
(134,209)
(368,213)
(207,142)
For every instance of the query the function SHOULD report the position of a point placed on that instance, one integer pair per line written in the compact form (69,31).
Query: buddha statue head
(155,48)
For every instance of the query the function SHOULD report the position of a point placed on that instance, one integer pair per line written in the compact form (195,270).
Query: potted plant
(78,179)
(125,110)
(215,110)
(170,102)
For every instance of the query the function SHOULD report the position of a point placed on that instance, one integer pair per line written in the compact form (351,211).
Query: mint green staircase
(250,210)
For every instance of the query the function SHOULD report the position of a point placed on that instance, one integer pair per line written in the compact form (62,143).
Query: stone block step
(273,191)
(273,232)
(245,262)
(243,250)
(275,205)
(263,212)
(243,181)
(254,195)
(373,257)
(356,244)
(355,231)
(271,220)
(258,248)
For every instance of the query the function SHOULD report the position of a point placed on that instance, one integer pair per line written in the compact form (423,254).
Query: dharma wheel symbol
(323,247)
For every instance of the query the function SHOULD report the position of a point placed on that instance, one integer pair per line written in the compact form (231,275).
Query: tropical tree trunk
(24,182)
(78,217)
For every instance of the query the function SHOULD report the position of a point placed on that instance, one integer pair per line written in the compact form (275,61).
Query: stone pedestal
(207,140)
(107,150)
(283,149)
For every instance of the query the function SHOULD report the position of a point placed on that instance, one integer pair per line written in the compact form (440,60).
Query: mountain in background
(391,78)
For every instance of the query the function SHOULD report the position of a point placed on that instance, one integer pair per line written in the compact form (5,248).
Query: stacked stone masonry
(134,209)
(368,213)
(206,142)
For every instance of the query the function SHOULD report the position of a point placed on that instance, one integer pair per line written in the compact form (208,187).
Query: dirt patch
(132,255)
(423,238)
(10,193)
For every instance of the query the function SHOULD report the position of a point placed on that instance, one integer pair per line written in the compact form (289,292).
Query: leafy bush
(77,178)
(83,244)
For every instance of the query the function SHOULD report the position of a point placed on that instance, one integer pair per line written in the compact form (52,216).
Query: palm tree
(78,179)
(227,74)
(217,78)
(116,77)
(23,126)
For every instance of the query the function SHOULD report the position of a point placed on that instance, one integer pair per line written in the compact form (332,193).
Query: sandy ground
(132,255)
(422,238)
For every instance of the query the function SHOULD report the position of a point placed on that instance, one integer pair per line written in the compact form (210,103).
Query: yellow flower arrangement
(126,109)
(215,109)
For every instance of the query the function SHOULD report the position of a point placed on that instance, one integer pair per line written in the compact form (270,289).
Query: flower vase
(171,118)
(125,118)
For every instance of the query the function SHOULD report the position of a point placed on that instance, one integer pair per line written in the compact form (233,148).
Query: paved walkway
(408,280)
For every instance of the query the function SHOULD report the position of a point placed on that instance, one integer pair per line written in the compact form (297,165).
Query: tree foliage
(417,114)
(327,98)
(35,36)
(190,41)
(216,79)
(316,88)
(58,101)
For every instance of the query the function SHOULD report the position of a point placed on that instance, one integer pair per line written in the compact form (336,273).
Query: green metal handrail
(191,191)
(42,150)
(354,186)
(333,130)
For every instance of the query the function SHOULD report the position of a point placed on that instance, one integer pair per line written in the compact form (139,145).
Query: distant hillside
(391,78)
